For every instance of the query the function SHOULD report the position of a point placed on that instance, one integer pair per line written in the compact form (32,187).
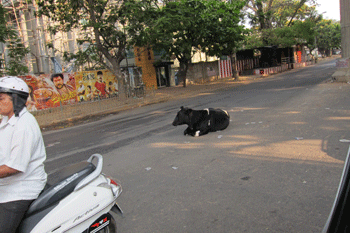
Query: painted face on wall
(58,81)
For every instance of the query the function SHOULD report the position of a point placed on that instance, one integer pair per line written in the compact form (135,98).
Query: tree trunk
(233,65)
(183,72)
(114,61)
(121,82)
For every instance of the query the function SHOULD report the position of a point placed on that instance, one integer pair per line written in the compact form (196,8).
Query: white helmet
(16,88)
(11,84)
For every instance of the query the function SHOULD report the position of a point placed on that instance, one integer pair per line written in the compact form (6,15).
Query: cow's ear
(182,107)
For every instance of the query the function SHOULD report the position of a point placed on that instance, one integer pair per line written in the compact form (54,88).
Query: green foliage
(300,32)
(253,39)
(182,28)
(282,22)
(221,29)
(264,14)
(16,52)
(100,25)
(15,48)
(6,32)
(328,35)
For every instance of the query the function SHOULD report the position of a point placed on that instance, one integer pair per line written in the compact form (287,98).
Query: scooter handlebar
(94,174)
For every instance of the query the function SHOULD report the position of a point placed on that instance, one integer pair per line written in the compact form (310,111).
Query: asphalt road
(276,168)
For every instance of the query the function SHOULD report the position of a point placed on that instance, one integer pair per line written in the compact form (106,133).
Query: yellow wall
(144,58)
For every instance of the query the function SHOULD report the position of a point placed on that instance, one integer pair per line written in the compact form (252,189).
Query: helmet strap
(19,102)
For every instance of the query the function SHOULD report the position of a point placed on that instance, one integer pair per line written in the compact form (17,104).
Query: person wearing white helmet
(22,154)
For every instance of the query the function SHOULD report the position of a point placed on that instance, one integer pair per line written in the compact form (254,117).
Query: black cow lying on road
(201,122)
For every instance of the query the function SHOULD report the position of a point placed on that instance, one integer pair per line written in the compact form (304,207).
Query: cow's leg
(204,128)
(202,132)
(189,131)
(192,132)
(186,131)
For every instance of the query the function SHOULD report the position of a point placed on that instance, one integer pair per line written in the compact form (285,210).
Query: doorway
(162,76)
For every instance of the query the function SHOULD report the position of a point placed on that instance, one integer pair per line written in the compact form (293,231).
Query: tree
(328,35)
(222,30)
(16,50)
(278,13)
(102,25)
(281,22)
(182,28)
(299,32)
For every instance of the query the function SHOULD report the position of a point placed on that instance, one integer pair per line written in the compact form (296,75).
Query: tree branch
(302,2)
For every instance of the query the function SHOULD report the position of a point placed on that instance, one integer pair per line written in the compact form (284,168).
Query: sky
(330,7)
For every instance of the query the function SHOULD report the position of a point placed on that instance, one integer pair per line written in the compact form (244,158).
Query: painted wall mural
(54,90)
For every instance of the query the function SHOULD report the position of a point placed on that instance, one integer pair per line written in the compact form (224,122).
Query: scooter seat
(59,185)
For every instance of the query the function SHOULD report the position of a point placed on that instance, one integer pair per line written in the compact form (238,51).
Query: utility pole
(343,65)
(345,27)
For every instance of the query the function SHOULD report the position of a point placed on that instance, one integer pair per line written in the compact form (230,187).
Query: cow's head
(182,117)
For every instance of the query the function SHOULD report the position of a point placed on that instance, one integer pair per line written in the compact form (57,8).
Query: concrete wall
(202,72)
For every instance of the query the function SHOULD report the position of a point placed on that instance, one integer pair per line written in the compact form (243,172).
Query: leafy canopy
(100,26)
(16,50)
(182,28)
(281,22)
(328,35)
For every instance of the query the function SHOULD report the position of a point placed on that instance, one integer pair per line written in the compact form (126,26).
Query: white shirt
(22,148)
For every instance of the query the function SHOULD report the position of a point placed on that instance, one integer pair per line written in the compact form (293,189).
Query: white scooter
(78,198)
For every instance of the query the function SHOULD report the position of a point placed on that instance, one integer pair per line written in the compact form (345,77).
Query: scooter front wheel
(112,227)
